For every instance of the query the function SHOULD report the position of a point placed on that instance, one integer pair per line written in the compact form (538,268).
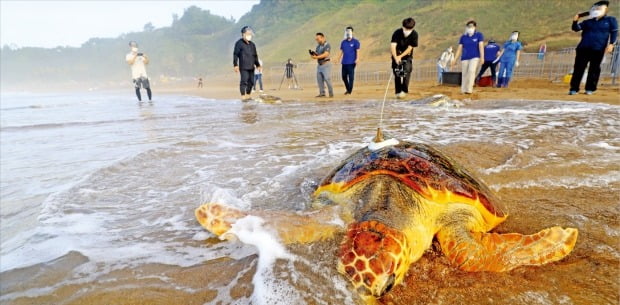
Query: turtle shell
(422,168)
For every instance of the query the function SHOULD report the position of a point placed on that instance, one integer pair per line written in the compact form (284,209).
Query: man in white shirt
(138,62)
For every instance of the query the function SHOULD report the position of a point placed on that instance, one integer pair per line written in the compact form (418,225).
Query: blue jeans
(506,67)
(324,76)
(441,70)
(348,76)
(258,79)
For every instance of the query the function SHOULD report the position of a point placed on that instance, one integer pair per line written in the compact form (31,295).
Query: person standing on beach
(598,35)
(348,57)
(443,63)
(509,59)
(401,47)
(491,54)
(245,60)
(258,76)
(138,62)
(471,51)
(324,68)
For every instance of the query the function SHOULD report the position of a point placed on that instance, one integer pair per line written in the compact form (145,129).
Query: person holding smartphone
(598,35)
(138,62)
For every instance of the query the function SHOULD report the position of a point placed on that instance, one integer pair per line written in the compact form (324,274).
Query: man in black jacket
(245,59)
(598,35)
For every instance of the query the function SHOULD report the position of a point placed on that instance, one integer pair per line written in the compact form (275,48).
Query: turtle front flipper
(290,227)
(478,251)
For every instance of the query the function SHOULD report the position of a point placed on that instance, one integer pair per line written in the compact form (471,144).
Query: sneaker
(331,95)
(588,92)
(572,92)
(320,95)
(401,95)
(347,93)
(261,91)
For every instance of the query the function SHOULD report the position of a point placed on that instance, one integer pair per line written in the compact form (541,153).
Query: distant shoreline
(520,89)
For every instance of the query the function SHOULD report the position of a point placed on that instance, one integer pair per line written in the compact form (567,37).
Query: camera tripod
(289,74)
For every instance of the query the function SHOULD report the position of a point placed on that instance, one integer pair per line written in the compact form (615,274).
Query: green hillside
(199,43)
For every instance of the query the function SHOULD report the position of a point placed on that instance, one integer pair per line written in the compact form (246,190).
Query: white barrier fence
(552,66)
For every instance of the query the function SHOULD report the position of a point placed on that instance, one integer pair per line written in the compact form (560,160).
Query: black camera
(312,53)
(399,71)
(140,54)
(584,14)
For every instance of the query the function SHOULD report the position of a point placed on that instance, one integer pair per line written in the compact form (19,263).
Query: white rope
(383,104)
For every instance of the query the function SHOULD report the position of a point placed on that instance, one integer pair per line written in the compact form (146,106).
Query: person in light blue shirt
(348,57)
(509,59)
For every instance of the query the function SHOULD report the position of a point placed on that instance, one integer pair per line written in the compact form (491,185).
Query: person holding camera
(401,46)
(598,35)
(245,60)
(348,58)
(471,51)
(138,62)
(324,69)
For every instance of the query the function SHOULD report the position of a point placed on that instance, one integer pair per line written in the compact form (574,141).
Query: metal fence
(552,66)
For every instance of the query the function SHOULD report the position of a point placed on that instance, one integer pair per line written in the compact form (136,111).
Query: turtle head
(374,257)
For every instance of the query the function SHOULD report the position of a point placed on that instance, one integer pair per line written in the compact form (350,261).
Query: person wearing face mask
(471,52)
(491,53)
(598,35)
(348,57)
(245,60)
(401,46)
(443,63)
(138,62)
(509,59)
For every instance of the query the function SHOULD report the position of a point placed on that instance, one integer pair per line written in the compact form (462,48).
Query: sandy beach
(520,89)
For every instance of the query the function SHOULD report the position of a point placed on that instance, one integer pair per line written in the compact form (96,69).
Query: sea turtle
(394,198)
(437,100)
(268,99)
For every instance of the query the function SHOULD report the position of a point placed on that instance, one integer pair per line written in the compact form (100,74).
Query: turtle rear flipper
(290,227)
(478,251)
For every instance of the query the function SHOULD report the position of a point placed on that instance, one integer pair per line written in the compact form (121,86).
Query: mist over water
(98,193)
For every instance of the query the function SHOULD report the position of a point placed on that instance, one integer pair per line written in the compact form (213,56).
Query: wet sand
(548,174)
(520,89)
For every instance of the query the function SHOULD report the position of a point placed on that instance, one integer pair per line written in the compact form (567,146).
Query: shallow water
(98,193)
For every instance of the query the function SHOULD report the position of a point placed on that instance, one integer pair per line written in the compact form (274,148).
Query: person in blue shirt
(471,51)
(348,57)
(508,59)
(598,36)
(491,53)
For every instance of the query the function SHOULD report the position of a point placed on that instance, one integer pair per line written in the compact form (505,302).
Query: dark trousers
(144,83)
(348,76)
(247,81)
(401,84)
(485,66)
(583,57)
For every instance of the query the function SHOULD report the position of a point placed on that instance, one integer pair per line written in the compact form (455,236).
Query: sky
(50,24)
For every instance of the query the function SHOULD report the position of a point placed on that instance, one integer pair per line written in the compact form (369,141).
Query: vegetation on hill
(199,43)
